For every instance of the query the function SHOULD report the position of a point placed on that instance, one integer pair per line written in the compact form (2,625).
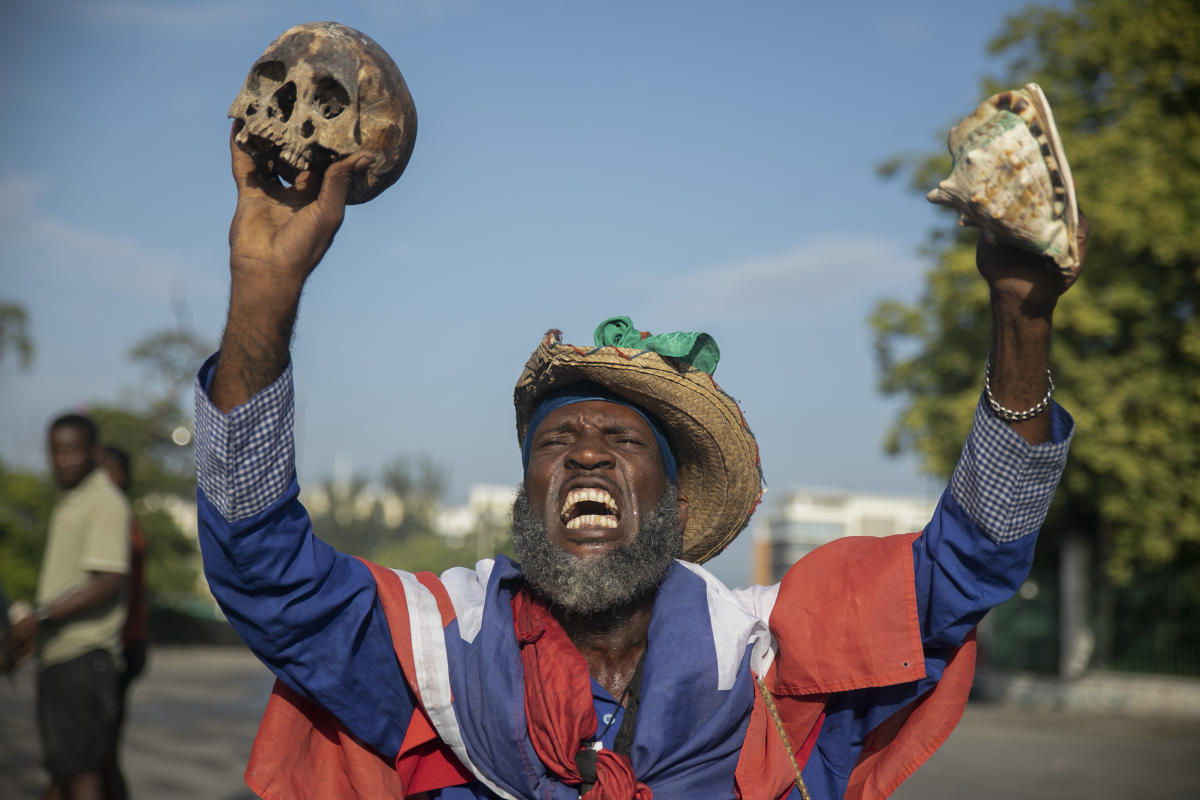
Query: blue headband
(582,392)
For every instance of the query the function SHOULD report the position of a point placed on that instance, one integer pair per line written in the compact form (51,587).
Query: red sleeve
(302,753)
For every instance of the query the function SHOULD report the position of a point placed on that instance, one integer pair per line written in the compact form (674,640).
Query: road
(192,717)
(194,713)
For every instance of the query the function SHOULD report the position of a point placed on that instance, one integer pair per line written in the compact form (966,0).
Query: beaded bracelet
(1007,414)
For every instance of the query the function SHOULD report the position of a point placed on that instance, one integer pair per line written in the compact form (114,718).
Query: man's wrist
(271,291)
(1036,311)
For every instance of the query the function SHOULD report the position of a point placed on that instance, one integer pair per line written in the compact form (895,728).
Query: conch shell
(1010,176)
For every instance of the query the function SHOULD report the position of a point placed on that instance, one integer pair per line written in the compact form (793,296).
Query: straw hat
(719,471)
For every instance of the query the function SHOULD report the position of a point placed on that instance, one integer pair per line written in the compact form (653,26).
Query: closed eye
(629,440)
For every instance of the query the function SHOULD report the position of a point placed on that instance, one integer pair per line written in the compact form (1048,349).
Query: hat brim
(719,469)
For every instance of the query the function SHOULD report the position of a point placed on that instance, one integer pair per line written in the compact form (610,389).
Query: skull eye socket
(329,97)
(270,73)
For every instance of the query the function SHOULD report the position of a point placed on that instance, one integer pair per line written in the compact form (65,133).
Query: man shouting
(605,661)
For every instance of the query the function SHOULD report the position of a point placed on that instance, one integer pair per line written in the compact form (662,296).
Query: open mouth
(589,508)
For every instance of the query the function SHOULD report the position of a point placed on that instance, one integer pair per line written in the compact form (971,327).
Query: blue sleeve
(973,555)
(978,548)
(310,613)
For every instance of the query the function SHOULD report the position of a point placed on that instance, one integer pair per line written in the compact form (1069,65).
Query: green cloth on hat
(695,348)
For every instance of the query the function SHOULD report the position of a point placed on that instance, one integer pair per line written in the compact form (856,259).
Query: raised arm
(1025,289)
(979,545)
(306,610)
(278,236)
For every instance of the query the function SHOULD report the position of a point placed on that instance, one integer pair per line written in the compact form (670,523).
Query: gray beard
(588,586)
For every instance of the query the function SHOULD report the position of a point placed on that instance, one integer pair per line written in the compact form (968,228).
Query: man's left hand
(1034,282)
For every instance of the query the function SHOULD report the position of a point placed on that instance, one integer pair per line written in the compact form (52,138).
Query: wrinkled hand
(280,233)
(1032,281)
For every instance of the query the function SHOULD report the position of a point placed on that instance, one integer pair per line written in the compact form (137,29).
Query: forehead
(69,436)
(596,413)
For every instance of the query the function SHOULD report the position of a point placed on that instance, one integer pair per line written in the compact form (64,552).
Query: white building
(806,518)
(488,508)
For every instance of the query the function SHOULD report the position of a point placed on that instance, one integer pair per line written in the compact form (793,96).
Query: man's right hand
(280,233)
(278,236)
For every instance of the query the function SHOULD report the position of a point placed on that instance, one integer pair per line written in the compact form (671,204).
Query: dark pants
(77,714)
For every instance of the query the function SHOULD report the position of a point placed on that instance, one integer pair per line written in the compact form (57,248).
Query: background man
(76,624)
(601,664)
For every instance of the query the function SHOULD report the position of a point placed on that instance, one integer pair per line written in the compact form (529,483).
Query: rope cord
(787,745)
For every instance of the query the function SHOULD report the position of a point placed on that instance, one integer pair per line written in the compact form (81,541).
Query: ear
(683,511)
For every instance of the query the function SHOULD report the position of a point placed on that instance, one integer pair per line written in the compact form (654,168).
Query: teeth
(591,521)
(576,496)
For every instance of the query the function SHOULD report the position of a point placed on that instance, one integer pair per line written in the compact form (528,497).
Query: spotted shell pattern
(1010,176)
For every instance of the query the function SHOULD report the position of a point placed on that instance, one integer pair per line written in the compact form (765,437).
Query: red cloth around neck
(558,703)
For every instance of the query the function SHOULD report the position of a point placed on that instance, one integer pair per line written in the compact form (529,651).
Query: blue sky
(696,166)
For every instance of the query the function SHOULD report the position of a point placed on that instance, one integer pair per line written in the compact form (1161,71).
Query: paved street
(192,718)
(195,711)
(1000,753)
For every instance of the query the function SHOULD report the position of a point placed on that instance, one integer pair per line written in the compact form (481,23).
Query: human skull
(321,91)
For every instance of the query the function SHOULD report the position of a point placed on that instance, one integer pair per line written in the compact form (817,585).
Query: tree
(14,333)
(170,358)
(25,503)
(25,499)
(421,482)
(397,521)
(156,433)
(1123,77)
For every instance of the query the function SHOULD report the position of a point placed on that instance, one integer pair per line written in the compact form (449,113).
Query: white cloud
(815,279)
(107,261)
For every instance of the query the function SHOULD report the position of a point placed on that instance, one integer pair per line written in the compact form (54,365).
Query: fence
(1150,625)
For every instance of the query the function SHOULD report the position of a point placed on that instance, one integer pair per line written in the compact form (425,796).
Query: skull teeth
(295,159)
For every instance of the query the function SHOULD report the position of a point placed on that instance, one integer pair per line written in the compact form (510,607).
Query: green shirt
(89,532)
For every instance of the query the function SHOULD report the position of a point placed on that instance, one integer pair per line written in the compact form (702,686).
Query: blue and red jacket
(393,684)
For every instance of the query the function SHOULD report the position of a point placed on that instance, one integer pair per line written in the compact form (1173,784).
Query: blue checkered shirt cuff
(244,459)
(1004,483)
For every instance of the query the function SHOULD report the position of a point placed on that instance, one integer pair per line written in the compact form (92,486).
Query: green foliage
(421,482)
(1123,77)
(425,551)
(159,465)
(172,562)
(25,503)
(170,359)
(14,333)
